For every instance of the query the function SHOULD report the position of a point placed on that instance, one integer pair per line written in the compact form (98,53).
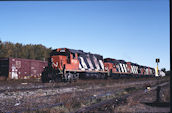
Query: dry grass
(78,99)
(135,103)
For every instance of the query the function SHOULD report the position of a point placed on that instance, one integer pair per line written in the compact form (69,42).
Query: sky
(132,30)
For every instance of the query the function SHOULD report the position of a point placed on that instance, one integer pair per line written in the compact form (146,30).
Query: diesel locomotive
(66,64)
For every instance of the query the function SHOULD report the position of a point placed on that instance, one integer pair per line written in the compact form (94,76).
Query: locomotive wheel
(69,77)
(44,77)
(76,77)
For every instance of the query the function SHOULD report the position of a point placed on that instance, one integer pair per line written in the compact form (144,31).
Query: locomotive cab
(62,66)
(112,67)
(62,58)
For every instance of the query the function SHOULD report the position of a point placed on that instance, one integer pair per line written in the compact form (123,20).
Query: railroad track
(108,104)
(62,85)
(25,89)
(105,104)
(40,107)
(32,88)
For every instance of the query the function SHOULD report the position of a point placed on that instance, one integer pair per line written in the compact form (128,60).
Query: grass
(75,100)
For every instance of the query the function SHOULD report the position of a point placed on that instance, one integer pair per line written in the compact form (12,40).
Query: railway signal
(157,61)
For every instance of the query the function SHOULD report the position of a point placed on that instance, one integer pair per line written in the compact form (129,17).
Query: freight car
(18,68)
(68,64)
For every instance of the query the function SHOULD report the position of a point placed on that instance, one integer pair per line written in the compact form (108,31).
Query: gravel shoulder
(136,102)
(65,97)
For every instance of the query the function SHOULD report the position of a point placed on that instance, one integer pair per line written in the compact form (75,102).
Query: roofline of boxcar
(8,58)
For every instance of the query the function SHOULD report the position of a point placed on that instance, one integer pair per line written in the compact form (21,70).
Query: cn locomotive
(66,64)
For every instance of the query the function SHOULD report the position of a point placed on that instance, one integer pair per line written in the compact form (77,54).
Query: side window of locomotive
(68,59)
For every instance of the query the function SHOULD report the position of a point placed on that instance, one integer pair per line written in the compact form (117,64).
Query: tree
(29,51)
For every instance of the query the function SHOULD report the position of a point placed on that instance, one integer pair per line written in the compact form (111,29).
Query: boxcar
(18,68)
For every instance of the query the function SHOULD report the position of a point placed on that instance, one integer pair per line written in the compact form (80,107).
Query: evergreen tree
(29,51)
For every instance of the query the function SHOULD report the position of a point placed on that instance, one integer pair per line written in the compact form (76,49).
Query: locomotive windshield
(61,52)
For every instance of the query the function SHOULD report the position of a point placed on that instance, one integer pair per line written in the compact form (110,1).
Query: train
(68,65)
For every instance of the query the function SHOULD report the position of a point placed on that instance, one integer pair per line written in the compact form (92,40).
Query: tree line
(28,51)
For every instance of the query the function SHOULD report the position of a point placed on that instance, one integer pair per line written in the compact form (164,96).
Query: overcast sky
(132,30)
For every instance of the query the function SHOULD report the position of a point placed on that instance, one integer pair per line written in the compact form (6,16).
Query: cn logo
(106,68)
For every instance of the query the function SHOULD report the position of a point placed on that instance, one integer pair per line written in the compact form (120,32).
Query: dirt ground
(137,102)
(34,96)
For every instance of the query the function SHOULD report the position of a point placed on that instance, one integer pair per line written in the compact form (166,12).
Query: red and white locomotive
(119,68)
(68,64)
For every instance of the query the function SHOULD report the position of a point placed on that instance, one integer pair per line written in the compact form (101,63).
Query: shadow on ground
(157,104)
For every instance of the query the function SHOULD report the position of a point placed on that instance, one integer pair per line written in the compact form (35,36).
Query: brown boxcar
(18,68)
